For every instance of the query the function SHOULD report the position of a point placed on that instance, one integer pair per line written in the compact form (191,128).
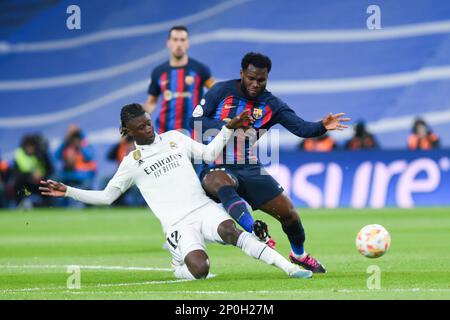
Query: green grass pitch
(36,247)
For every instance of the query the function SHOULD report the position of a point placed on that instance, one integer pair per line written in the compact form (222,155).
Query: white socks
(182,272)
(252,247)
(298,256)
(261,251)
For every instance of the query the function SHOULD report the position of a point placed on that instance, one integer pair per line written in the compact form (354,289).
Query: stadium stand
(325,60)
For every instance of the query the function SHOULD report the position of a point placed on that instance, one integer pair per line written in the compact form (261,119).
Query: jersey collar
(150,147)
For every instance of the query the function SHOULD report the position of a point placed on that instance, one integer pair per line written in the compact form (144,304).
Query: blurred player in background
(180,81)
(162,170)
(239,174)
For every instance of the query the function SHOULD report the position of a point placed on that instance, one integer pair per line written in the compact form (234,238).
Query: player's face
(141,129)
(254,80)
(421,130)
(30,149)
(178,43)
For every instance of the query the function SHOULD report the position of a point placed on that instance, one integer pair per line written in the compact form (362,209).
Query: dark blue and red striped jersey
(225,100)
(181,89)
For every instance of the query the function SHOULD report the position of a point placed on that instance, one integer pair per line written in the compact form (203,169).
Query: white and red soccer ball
(373,241)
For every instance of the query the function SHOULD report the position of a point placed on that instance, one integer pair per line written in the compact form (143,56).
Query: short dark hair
(28,140)
(256,59)
(417,123)
(77,134)
(179,28)
(129,112)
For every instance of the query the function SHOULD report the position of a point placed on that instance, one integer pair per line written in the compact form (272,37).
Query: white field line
(95,268)
(395,290)
(121,268)
(53,266)
(126,284)
(203,292)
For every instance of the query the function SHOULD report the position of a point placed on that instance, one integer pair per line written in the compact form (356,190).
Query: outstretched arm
(306,129)
(101,197)
(334,121)
(150,103)
(203,116)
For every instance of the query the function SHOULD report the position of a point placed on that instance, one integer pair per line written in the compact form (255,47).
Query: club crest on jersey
(257,113)
(137,155)
(168,95)
(189,80)
(173,145)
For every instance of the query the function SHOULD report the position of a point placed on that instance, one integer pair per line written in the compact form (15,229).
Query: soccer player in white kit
(161,168)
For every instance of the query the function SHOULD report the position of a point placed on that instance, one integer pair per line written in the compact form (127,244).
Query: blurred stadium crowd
(75,162)
(386,77)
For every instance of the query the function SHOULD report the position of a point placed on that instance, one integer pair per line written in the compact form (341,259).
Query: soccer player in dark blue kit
(179,81)
(230,179)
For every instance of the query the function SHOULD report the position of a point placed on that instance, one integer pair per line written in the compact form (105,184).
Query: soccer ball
(373,241)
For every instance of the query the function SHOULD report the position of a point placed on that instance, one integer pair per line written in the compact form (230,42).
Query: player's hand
(334,121)
(52,188)
(243,120)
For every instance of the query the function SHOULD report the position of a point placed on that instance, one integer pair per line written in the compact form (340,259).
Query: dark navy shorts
(255,184)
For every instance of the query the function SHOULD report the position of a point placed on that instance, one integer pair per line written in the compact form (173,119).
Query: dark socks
(236,207)
(296,236)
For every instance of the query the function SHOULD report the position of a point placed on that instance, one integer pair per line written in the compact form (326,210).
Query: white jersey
(164,174)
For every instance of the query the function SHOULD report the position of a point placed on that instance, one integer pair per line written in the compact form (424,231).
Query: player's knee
(213,181)
(228,232)
(197,263)
(199,269)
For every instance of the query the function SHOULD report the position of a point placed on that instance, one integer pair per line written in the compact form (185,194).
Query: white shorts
(193,231)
